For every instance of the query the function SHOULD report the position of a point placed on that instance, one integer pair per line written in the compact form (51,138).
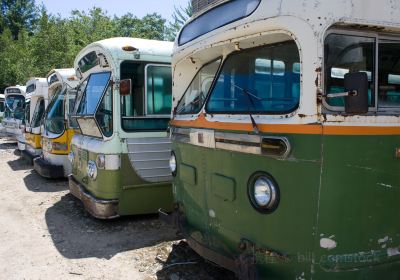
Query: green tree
(15,59)
(50,45)
(17,15)
(151,26)
(180,17)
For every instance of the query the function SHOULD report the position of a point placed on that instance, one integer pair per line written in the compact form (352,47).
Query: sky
(138,8)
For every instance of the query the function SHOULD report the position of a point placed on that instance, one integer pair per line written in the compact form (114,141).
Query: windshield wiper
(250,96)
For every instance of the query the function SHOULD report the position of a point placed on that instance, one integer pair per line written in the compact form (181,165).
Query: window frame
(146,115)
(221,63)
(76,116)
(112,110)
(84,94)
(205,105)
(35,118)
(377,36)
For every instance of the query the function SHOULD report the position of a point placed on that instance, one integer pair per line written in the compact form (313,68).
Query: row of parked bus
(282,157)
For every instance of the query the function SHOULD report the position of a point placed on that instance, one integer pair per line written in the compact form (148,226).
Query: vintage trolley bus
(286,137)
(120,157)
(37,90)
(14,111)
(58,127)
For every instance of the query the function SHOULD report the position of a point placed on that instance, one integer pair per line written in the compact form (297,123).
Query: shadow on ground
(8,145)
(77,235)
(35,183)
(19,164)
(184,263)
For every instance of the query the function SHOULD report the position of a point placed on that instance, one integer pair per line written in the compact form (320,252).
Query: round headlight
(263,193)
(172,163)
(92,170)
(101,161)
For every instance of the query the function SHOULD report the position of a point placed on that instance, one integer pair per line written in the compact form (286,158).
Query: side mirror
(357,83)
(125,87)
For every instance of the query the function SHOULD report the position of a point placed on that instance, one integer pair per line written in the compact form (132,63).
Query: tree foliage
(32,41)
(180,16)
(17,15)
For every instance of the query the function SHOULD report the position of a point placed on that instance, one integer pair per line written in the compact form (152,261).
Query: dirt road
(46,234)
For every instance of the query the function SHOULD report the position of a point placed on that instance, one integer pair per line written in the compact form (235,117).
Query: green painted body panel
(344,188)
(219,213)
(359,203)
(135,195)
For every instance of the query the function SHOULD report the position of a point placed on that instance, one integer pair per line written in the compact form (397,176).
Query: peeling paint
(383,240)
(391,252)
(360,167)
(328,243)
(385,185)
(301,277)
(211,213)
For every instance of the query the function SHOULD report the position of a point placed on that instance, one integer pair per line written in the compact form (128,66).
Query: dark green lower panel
(145,199)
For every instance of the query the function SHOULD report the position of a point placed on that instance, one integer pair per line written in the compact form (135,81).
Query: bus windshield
(91,96)
(262,80)
(15,105)
(54,122)
(38,113)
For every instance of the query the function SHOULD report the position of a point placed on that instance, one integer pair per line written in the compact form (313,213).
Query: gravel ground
(46,234)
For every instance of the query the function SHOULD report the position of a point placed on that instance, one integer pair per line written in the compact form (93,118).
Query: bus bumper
(243,265)
(29,154)
(98,208)
(48,170)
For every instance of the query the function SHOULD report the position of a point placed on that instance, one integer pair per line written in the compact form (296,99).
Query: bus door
(360,184)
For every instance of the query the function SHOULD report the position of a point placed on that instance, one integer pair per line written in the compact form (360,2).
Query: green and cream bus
(58,127)
(120,156)
(286,137)
(37,90)
(13,112)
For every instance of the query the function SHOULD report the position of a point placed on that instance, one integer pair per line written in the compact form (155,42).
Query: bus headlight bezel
(172,164)
(263,192)
(101,161)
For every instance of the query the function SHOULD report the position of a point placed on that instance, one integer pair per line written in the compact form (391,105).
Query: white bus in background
(37,89)
(14,111)
(58,128)
(2,105)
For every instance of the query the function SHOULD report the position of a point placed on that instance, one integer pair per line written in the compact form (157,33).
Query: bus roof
(11,90)
(57,77)
(319,15)
(41,88)
(113,49)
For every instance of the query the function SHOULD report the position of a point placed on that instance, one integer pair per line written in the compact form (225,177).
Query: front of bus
(14,111)
(38,91)
(244,143)
(110,113)
(58,128)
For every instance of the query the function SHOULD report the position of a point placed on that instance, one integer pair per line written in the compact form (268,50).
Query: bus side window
(389,74)
(344,54)
(158,90)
